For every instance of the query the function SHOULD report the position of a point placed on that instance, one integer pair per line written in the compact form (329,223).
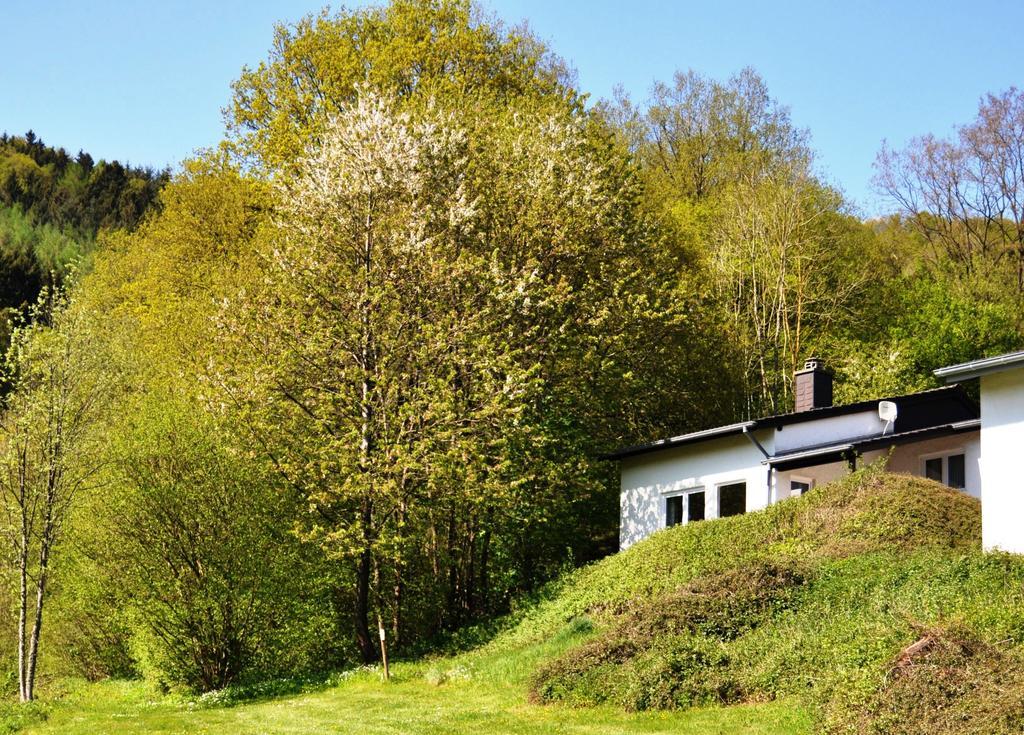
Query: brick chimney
(812,386)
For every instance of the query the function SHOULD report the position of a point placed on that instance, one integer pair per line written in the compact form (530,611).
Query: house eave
(813,456)
(978,368)
(780,420)
(682,440)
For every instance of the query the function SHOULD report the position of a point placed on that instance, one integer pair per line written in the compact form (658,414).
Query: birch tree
(45,456)
(781,258)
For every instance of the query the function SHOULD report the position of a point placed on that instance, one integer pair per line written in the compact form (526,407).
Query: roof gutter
(681,440)
(977,368)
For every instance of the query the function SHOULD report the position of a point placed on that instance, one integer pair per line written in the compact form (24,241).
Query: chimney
(812,386)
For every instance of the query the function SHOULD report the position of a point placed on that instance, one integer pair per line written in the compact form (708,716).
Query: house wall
(821,474)
(818,475)
(648,479)
(828,430)
(1002,461)
(909,458)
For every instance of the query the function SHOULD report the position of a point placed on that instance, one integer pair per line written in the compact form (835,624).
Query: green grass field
(482,691)
(408,704)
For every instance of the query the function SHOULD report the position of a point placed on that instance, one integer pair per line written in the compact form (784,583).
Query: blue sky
(145,81)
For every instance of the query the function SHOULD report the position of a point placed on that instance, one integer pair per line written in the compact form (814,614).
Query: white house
(1002,446)
(746,466)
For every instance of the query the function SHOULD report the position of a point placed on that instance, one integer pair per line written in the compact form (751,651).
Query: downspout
(770,485)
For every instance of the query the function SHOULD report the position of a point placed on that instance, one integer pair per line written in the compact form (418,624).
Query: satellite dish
(887,411)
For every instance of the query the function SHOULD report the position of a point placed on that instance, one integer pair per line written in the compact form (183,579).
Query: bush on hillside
(666,652)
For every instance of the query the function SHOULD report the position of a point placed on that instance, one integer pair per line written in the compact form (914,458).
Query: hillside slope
(813,598)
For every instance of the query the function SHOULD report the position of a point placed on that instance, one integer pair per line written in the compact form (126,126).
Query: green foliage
(50,423)
(32,256)
(366,352)
(218,587)
(185,567)
(813,605)
(929,324)
(73,194)
(435,357)
(441,49)
(51,209)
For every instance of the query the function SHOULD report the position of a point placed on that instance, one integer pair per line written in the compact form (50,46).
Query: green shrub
(666,652)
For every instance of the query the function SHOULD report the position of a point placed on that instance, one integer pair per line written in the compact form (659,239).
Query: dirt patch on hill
(947,682)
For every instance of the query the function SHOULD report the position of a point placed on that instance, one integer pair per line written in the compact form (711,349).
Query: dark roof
(953,394)
(678,441)
(977,368)
(925,396)
(824,453)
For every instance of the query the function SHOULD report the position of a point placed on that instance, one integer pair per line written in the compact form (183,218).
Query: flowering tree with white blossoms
(433,291)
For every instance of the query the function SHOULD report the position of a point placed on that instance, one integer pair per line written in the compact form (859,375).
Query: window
(955,474)
(684,508)
(732,499)
(674,510)
(949,469)
(695,506)
(798,487)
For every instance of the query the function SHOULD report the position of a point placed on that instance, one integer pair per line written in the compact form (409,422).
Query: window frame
(808,481)
(684,493)
(944,456)
(718,491)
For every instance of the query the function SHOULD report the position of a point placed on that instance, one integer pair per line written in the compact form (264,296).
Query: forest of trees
(355,366)
(52,207)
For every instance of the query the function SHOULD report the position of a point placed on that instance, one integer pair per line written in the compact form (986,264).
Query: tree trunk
(485,551)
(399,588)
(453,573)
(23,617)
(469,591)
(364,640)
(37,624)
(23,553)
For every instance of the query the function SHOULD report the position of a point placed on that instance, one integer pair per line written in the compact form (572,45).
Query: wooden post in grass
(383,648)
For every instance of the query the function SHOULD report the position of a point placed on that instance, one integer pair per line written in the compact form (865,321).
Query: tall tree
(790,266)
(407,48)
(697,136)
(731,177)
(442,291)
(46,430)
(965,195)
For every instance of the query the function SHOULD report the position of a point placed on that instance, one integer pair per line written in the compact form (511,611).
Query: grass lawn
(480,691)
(408,704)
